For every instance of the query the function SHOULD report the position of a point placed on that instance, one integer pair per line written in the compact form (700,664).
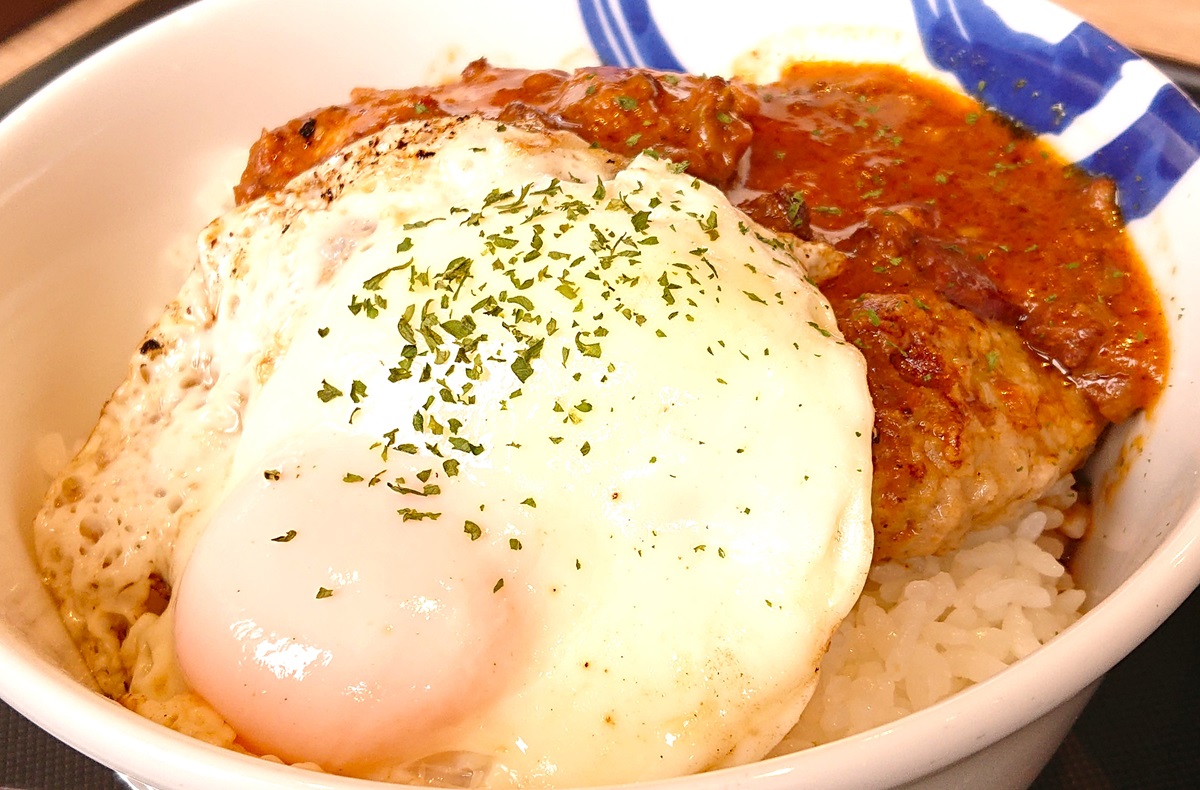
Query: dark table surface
(1141,730)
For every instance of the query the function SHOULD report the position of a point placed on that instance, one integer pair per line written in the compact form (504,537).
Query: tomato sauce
(919,185)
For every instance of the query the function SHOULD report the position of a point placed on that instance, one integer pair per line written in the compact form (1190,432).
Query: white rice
(927,628)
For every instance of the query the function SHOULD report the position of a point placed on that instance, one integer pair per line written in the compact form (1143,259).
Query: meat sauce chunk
(698,122)
(783,211)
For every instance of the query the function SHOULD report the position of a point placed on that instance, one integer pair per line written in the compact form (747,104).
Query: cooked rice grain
(929,627)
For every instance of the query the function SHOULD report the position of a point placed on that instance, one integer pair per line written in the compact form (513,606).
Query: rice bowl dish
(1044,607)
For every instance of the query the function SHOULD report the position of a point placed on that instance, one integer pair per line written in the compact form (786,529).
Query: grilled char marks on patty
(967,421)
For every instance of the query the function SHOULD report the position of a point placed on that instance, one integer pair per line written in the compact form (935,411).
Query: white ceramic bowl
(107,175)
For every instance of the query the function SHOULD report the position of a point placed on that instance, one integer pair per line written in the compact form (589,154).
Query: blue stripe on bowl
(1152,154)
(1042,85)
(1045,86)
(624,33)
(598,33)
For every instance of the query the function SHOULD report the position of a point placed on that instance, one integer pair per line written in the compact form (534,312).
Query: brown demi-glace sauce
(951,218)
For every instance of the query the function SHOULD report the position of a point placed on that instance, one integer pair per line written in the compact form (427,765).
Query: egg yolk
(284,623)
(557,475)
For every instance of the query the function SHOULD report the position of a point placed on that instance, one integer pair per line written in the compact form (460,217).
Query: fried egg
(527,467)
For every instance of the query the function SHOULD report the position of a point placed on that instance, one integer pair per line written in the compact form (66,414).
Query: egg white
(592,520)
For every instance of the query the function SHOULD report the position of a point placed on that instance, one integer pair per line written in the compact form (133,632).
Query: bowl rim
(1045,678)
